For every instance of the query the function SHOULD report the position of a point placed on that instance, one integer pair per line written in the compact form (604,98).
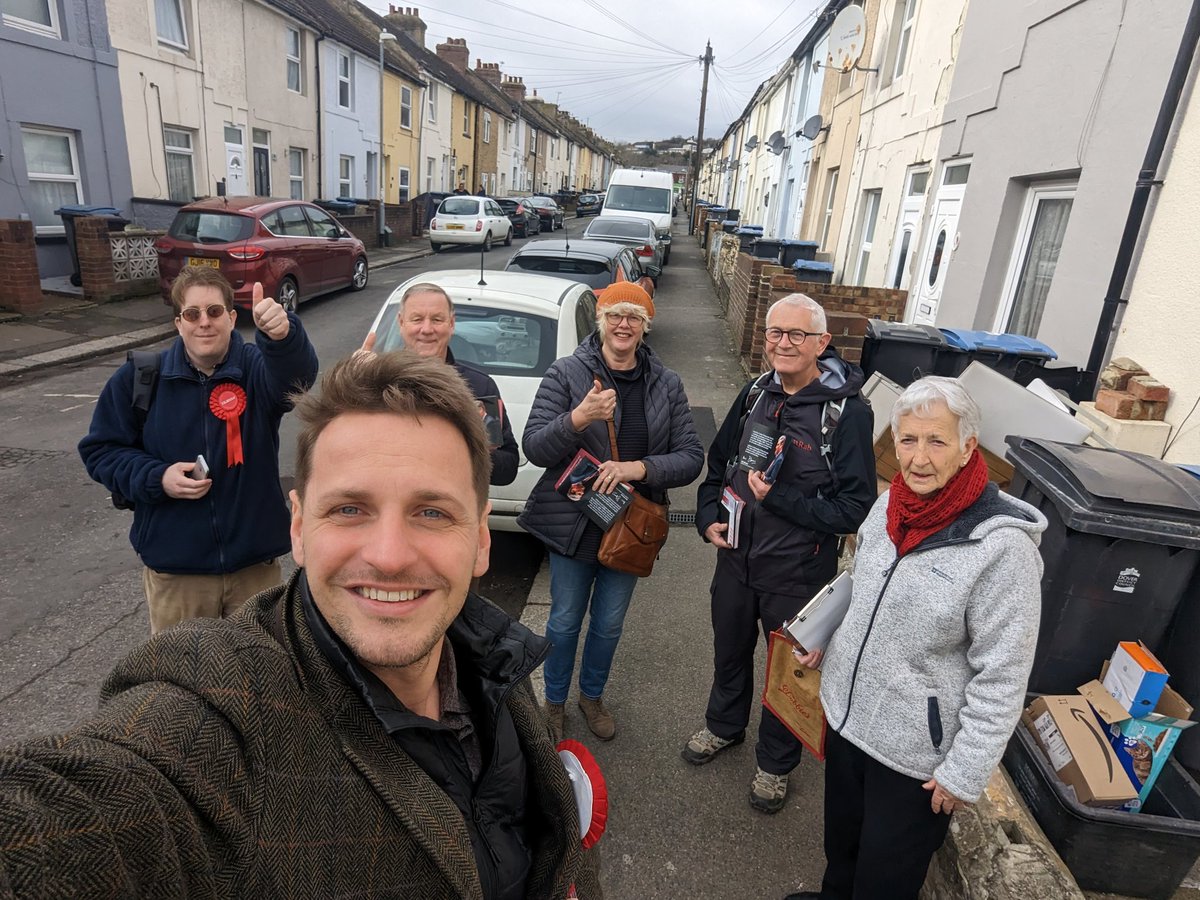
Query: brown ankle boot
(554,714)
(599,719)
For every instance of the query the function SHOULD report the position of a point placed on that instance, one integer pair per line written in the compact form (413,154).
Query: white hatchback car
(463,219)
(512,328)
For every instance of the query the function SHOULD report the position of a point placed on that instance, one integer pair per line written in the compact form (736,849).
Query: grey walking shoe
(768,792)
(704,746)
(554,714)
(599,719)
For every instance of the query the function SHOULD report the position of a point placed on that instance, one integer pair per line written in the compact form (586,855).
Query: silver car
(640,234)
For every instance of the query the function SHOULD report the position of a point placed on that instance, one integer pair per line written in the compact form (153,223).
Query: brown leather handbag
(635,538)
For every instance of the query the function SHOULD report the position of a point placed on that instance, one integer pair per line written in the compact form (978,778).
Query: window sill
(32,27)
(173,47)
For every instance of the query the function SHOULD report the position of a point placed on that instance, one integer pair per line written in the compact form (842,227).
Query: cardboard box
(1135,677)
(1076,741)
(887,466)
(1143,744)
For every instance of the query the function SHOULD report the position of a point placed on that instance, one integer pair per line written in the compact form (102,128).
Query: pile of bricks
(1127,391)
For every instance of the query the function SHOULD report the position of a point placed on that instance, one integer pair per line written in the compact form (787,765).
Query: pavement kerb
(129,340)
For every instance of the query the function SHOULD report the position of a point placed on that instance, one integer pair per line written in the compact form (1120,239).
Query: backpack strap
(831,414)
(146,364)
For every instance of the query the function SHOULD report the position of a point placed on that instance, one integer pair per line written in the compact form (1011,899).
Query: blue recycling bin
(1014,356)
(72,212)
(811,270)
(794,251)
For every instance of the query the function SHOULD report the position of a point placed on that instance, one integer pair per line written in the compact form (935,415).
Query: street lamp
(384,37)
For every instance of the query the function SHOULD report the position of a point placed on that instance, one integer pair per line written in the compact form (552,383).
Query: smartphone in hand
(200,469)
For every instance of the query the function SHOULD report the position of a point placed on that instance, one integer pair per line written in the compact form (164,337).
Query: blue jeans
(574,586)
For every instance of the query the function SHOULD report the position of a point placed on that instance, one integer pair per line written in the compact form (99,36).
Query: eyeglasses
(617,318)
(795,335)
(192,313)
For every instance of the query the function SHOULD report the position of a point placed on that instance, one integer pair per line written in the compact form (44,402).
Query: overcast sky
(628,68)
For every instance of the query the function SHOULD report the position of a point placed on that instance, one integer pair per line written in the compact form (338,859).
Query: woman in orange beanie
(611,375)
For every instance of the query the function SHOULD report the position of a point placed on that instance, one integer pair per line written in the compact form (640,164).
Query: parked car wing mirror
(652,270)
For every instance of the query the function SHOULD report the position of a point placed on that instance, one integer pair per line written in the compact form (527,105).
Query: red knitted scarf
(911,518)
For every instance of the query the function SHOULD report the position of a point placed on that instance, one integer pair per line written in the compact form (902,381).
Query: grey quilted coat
(550,441)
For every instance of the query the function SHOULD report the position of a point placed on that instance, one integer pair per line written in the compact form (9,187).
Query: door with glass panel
(235,161)
(912,205)
(1039,239)
(940,245)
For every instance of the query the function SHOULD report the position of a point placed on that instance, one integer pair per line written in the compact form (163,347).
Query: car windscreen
(498,341)
(458,206)
(634,231)
(204,227)
(589,198)
(637,198)
(594,273)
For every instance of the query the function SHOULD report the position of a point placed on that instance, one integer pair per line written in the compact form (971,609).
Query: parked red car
(296,249)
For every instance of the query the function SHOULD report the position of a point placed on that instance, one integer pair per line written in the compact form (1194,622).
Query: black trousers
(880,831)
(738,613)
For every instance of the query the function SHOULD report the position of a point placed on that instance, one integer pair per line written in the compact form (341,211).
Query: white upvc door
(1039,238)
(904,243)
(940,244)
(235,161)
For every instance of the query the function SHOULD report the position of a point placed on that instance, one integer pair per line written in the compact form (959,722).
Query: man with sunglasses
(207,541)
(823,486)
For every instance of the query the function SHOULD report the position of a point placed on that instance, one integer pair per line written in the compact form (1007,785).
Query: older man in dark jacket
(367,730)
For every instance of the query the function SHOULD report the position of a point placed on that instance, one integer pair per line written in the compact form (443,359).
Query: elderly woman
(924,680)
(612,375)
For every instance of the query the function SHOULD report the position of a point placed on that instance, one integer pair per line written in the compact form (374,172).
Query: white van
(644,194)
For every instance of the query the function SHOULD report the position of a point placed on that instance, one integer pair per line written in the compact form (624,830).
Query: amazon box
(1143,743)
(1076,741)
(1135,677)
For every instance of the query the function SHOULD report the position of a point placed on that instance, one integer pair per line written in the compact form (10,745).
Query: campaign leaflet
(491,410)
(733,505)
(576,484)
(763,445)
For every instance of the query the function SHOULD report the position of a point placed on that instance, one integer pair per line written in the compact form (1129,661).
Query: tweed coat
(229,759)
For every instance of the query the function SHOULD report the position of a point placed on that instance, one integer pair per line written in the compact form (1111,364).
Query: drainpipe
(318,88)
(1113,301)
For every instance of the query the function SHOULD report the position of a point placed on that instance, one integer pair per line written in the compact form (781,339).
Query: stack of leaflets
(733,505)
(576,484)
(764,452)
(491,410)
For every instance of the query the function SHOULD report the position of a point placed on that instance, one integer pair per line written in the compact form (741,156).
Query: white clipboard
(813,626)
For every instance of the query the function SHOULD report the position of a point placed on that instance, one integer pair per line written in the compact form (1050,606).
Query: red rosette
(227,402)
(591,791)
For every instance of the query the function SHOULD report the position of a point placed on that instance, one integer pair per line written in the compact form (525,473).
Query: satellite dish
(776,143)
(752,143)
(811,128)
(846,38)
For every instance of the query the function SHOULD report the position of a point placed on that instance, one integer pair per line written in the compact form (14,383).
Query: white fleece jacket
(941,639)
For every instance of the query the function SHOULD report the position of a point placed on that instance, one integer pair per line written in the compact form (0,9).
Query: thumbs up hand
(597,405)
(269,317)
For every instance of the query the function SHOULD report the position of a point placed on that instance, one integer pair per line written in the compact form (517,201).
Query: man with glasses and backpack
(796,448)
(188,439)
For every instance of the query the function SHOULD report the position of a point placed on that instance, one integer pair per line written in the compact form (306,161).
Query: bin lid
(75,210)
(811,265)
(749,229)
(789,242)
(1012,344)
(902,331)
(1113,492)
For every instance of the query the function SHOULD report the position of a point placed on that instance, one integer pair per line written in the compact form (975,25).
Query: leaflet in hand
(733,505)
(491,410)
(812,627)
(764,446)
(576,484)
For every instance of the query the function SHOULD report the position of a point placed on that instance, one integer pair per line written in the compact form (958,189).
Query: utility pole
(707,60)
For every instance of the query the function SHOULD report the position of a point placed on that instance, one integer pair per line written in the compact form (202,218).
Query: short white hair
(815,310)
(920,398)
(624,308)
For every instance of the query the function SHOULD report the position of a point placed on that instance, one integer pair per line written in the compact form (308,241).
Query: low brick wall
(115,265)
(402,219)
(20,283)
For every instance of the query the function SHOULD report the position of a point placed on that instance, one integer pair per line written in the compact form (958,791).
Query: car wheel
(361,274)
(487,242)
(289,294)
(435,246)
(508,238)
(667,256)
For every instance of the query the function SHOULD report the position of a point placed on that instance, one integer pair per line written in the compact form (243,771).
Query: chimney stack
(514,88)
(455,52)
(489,72)
(408,22)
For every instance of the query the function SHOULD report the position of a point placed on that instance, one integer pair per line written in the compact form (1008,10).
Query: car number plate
(203,261)
(454,228)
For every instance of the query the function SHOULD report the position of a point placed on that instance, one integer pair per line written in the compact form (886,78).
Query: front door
(903,245)
(235,161)
(940,246)
(262,163)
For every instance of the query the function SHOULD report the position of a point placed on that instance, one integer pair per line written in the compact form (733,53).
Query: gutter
(1114,302)
(318,88)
